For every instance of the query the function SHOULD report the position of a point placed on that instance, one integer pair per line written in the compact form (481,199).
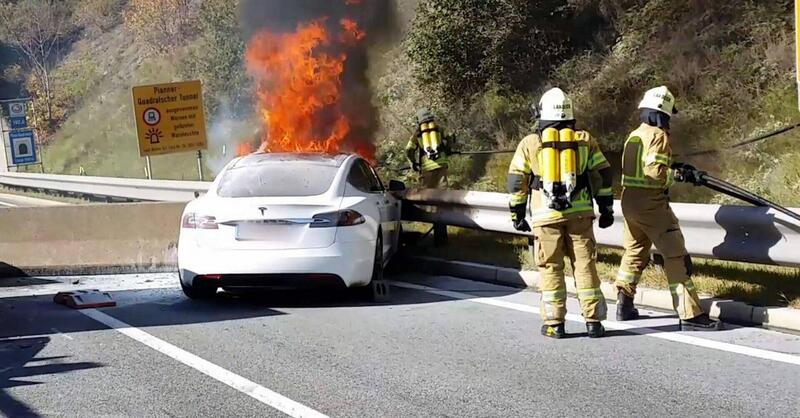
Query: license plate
(253,231)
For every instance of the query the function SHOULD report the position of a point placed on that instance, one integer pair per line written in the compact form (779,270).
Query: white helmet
(659,99)
(555,106)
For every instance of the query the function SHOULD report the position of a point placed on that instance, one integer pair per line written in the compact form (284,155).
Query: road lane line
(7,204)
(248,387)
(648,332)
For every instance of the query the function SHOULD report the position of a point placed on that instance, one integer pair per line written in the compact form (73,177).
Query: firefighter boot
(556,331)
(595,329)
(625,309)
(700,323)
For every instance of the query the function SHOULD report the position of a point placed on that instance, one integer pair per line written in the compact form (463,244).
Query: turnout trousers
(574,240)
(650,221)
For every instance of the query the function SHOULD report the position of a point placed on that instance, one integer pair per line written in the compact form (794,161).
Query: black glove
(687,173)
(606,206)
(606,217)
(518,218)
(521,225)
(416,167)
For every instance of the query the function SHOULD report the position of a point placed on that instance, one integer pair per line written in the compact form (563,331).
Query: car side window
(376,178)
(361,178)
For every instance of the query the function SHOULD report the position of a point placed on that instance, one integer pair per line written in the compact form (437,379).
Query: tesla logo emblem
(263,211)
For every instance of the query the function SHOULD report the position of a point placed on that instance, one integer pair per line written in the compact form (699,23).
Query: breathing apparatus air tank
(550,164)
(569,162)
(431,138)
(559,167)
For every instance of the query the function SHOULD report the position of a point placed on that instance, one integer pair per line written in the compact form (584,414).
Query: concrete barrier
(86,239)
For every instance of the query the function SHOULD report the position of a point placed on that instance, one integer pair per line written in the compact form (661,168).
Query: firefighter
(428,151)
(560,170)
(646,178)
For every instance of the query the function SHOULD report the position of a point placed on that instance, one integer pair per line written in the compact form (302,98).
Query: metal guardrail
(733,233)
(109,187)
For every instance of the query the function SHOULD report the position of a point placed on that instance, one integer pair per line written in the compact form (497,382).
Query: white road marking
(248,387)
(7,204)
(61,333)
(648,332)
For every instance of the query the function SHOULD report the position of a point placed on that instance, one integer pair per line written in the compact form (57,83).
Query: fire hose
(689,174)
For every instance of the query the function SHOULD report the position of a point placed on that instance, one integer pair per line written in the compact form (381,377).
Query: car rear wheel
(198,290)
(378,289)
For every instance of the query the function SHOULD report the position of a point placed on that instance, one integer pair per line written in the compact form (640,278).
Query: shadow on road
(19,366)
(38,315)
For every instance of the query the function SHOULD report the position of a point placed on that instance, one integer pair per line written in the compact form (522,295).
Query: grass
(756,284)
(100,134)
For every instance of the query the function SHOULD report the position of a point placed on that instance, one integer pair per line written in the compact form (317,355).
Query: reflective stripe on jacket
(647,159)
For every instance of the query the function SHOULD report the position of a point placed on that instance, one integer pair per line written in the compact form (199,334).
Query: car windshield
(278,179)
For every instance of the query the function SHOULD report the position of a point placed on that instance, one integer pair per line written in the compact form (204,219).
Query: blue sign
(18,123)
(18,115)
(23,147)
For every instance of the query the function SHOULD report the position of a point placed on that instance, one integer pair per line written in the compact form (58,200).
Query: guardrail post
(439,235)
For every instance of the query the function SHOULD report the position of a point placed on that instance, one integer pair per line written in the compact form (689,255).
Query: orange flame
(245,148)
(299,83)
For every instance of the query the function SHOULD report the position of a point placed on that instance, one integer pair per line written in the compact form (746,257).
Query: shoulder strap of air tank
(561,145)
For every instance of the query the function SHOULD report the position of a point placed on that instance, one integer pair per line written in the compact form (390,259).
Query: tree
(161,25)
(217,56)
(461,47)
(37,28)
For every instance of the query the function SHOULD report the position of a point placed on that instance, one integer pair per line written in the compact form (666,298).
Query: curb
(11,272)
(779,318)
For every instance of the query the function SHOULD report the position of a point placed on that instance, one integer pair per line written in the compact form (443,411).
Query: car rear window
(279,179)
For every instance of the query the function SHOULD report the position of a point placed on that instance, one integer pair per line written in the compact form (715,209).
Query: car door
(391,224)
(379,193)
(367,186)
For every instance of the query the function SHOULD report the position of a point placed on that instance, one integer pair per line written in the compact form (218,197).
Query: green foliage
(216,57)
(460,47)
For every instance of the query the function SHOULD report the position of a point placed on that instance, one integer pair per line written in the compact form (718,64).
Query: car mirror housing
(396,186)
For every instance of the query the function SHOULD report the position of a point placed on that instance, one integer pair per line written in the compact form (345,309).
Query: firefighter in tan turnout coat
(560,170)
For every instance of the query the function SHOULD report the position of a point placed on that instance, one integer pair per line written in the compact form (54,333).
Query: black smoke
(376,17)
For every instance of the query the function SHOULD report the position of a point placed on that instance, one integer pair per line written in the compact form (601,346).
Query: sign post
(200,164)
(169,119)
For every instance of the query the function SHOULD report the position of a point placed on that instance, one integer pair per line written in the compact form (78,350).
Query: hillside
(730,64)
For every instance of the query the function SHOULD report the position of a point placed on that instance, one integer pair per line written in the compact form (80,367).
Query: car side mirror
(397,186)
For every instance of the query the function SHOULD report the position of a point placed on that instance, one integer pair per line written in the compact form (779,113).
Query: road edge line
(254,390)
(644,331)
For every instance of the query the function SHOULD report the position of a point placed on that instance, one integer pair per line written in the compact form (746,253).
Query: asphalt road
(442,347)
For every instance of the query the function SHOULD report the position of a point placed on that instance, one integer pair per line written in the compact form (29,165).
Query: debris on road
(84,299)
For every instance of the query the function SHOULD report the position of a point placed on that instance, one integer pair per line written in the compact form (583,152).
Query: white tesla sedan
(290,221)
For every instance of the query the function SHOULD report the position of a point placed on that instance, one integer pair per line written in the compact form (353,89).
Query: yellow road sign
(170,118)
